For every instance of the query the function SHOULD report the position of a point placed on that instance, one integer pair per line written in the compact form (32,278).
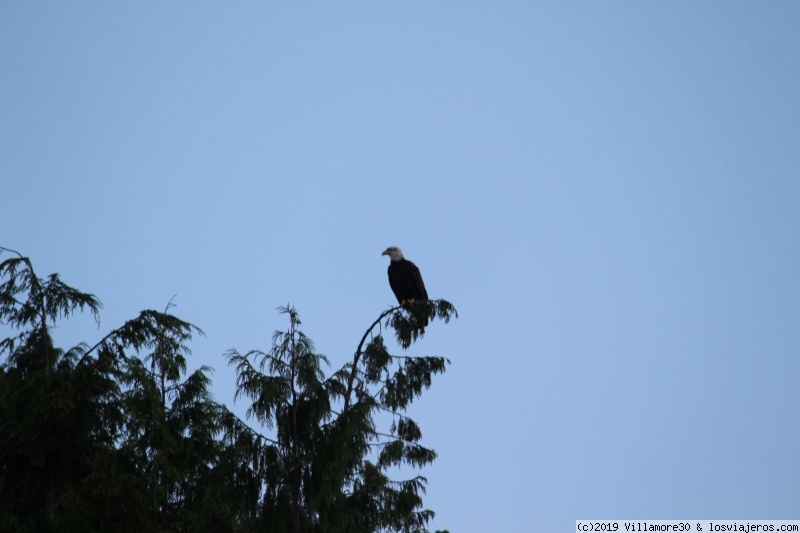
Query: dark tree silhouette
(118,437)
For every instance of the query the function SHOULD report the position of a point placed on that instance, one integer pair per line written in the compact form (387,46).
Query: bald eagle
(406,281)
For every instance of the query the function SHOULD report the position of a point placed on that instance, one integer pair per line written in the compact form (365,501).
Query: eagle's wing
(416,279)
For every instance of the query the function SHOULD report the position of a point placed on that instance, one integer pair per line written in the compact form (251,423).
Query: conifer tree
(51,410)
(68,431)
(325,464)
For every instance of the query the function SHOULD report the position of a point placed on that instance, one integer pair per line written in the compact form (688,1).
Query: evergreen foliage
(119,437)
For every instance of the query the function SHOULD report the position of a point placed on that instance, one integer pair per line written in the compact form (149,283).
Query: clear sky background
(609,192)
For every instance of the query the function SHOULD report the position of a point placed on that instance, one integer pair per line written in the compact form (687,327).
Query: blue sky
(607,191)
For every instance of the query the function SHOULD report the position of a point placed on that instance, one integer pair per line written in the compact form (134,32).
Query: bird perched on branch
(406,283)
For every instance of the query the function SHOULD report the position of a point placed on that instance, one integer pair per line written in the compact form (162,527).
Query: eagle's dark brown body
(407,285)
(406,281)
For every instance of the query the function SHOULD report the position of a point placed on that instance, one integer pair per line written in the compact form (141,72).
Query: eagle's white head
(394,253)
